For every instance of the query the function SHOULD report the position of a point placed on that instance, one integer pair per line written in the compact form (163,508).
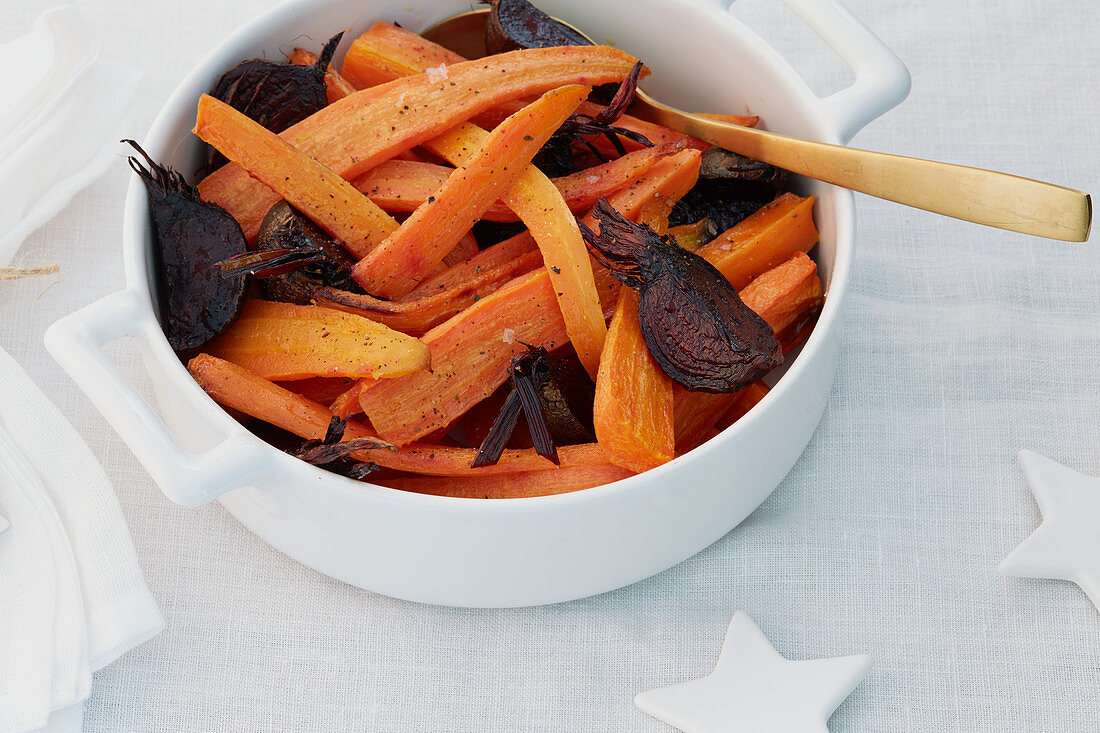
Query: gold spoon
(986,197)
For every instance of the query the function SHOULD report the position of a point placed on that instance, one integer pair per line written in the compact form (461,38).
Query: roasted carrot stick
(336,86)
(405,54)
(418,316)
(633,408)
(402,186)
(360,131)
(485,260)
(287,341)
(326,198)
(763,240)
(239,389)
(511,485)
(346,403)
(747,399)
(324,390)
(471,352)
(405,258)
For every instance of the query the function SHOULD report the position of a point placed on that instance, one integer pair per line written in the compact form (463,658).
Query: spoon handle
(972,194)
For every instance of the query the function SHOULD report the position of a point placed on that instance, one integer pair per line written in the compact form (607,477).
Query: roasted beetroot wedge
(196,303)
(695,325)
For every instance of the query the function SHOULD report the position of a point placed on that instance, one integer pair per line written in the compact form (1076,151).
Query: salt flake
(436,73)
(508,335)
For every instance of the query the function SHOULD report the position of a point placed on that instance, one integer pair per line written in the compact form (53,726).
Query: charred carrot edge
(471,352)
(324,390)
(402,186)
(360,131)
(397,265)
(784,296)
(286,341)
(487,259)
(632,413)
(415,317)
(406,54)
(346,403)
(239,389)
(326,198)
(336,86)
(511,485)
(542,208)
(763,240)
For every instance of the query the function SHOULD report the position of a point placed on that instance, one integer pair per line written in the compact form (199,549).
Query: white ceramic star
(754,690)
(1066,545)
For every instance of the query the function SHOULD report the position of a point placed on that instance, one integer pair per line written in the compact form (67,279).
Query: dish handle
(881,79)
(76,342)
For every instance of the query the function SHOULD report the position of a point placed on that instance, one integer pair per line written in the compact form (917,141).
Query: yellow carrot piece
(633,408)
(287,341)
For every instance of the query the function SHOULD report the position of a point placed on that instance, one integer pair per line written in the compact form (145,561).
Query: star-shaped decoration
(1066,545)
(754,690)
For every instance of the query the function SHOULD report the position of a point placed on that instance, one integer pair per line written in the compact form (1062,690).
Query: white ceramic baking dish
(512,552)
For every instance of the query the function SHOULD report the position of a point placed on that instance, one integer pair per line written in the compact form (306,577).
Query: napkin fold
(72,596)
(64,113)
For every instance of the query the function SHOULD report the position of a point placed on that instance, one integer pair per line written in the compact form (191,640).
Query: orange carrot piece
(397,265)
(485,260)
(405,54)
(239,389)
(691,236)
(747,399)
(346,403)
(418,316)
(326,198)
(287,341)
(336,86)
(464,250)
(511,485)
(360,131)
(763,240)
(320,389)
(402,186)
(471,352)
(633,408)
(786,296)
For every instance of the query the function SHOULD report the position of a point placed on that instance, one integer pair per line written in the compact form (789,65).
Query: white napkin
(63,115)
(72,597)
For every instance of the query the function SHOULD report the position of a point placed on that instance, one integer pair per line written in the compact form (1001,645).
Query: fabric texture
(961,346)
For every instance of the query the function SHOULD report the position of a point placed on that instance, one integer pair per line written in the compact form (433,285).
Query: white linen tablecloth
(963,345)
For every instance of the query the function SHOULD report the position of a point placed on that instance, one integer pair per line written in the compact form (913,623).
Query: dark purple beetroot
(557,156)
(286,228)
(515,24)
(196,303)
(273,93)
(555,396)
(694,323)
(730,187)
